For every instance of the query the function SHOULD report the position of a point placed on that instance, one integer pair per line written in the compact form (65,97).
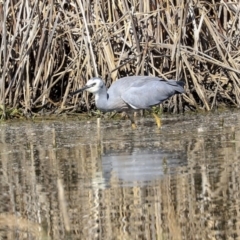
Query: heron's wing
(150,93)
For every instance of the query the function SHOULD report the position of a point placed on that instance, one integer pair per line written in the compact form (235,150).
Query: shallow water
(73,180)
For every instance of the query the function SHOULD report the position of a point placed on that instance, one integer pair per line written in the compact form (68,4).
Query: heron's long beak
(82,89)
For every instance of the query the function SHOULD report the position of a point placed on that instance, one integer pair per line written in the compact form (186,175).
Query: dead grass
(51,48)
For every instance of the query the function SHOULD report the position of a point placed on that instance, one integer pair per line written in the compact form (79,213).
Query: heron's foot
(158,120)
(134,126)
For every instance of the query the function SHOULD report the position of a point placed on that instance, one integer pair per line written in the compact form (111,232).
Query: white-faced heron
(132,93)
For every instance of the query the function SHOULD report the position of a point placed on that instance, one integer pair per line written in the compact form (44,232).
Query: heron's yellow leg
(134,126)
(157,119)
(131,116)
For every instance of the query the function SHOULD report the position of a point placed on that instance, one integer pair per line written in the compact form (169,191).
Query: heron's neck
(101,99)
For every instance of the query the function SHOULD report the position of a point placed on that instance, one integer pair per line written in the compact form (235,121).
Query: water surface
(74,180)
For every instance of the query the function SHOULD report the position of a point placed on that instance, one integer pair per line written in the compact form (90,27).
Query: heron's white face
(93,85)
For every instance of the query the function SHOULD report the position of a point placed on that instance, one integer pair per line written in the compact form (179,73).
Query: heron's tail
(178,85)
(181,83)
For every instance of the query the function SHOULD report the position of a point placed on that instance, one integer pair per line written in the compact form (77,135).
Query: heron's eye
(93,84)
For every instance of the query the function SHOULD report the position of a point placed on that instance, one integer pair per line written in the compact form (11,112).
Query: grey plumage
(132,93)
(136,92)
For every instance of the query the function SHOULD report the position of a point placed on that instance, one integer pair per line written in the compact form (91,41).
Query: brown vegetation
(50,48)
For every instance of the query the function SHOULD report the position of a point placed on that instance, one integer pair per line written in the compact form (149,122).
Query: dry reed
(49,48)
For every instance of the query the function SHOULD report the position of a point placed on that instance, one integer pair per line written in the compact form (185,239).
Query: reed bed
(50,48)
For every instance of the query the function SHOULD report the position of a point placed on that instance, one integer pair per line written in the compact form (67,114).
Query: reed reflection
(178,183)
